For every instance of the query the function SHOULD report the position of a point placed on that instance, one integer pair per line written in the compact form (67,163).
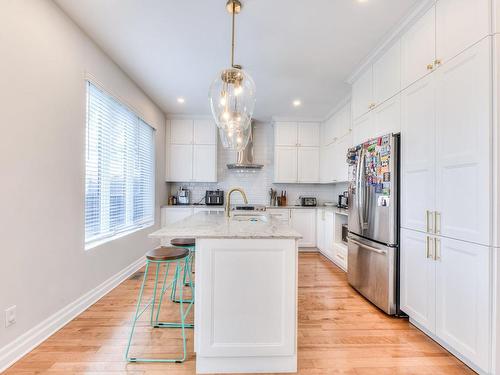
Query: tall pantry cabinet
(449,179)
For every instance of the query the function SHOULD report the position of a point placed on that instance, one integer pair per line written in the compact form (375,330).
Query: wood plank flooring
(339,333)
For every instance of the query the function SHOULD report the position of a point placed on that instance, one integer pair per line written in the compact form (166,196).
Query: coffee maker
(183,196)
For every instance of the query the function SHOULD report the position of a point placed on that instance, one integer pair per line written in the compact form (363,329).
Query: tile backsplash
(257,183)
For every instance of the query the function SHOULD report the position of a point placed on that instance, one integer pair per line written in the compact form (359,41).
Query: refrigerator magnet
(383,201)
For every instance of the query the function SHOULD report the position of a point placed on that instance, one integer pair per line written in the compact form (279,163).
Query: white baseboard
(13,351)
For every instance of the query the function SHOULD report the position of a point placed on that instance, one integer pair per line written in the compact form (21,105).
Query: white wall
(43,264)
(257,183)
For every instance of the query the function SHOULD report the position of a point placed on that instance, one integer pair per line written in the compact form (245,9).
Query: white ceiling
(301,49)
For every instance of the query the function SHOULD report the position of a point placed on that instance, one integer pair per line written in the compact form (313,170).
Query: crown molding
(391,37)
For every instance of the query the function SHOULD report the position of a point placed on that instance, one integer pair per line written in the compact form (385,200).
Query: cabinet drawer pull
(429,251)
(437,246)
(437,222)
(428,225)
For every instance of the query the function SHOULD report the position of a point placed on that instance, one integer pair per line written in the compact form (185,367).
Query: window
(119,175)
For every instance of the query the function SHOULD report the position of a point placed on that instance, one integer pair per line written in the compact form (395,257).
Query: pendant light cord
(232,36)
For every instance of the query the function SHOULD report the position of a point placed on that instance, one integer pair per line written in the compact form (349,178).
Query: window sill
(97,243)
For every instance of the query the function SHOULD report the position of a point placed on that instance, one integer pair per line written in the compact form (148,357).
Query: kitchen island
(246,291)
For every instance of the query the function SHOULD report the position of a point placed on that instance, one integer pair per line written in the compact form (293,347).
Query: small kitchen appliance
(214,197)
(308,201)
(343,200)
(183,196)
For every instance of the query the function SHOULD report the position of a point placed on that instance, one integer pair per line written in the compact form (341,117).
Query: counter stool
(176,256)
(189,244)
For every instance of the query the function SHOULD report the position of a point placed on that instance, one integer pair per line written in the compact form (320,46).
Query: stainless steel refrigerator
(373,204)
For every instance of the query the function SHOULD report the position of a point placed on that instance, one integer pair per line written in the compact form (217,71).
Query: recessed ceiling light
(180,100)
(362,1)
(296,103)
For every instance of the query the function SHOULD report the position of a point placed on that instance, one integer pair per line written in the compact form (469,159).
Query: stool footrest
(173,325)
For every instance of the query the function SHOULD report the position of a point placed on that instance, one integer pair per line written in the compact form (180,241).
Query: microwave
(308,201)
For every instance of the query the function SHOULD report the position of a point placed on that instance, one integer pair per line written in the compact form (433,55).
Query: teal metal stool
(189,244)
(167,256)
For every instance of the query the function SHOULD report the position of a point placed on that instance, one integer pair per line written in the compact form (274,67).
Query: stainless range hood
(245,157)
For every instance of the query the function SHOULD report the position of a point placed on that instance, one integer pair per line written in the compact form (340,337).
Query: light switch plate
(10,316)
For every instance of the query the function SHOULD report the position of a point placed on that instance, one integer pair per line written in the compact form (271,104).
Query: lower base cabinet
(445,290)
(304,222)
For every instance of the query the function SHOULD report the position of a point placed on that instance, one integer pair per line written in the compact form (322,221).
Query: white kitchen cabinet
(418,48)
(281,214)
(342,122)
(463,133)
(181,163)
(320,229)
(463,299)
(329,236)
(191,151)
(209,209)
(387,74)
(362,129)
(362,94)
(387,117)
(339,164)
(418,132)
(304,222)
(418,278)
(308,134)
(308,164)
(460,24)
(285,134)
(173,214)
(285,164)
(204,158)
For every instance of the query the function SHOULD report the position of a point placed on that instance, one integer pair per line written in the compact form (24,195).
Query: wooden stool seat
(183,242)
(167,253)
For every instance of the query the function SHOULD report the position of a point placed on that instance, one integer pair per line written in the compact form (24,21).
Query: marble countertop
(217,225)
(341,211)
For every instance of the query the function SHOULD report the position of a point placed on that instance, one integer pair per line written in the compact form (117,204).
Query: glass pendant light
(232,98)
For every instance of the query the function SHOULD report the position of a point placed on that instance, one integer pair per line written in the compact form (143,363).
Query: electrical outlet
(10,316)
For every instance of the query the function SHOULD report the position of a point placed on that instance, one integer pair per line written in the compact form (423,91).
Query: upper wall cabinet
(362,94)
(460,24)
(418,48)
(296,134)
(387,74)
(191,151)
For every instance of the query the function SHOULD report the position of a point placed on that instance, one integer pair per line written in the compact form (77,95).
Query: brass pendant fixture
(232,97)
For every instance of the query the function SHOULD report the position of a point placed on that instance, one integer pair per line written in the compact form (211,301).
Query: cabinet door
(418,153)
(304,222)
(387,74)
(308,164)
(308,134)
(205,132)
(281,214)
(343,121)
(362,129)
(387,117)
(328,129)
(320,229)
(463,133)
(362,94)
(460,24)
(285,164)
(205,163)
(418,48)
(340,163)
(329,234)
(181,163)
(418,278)
(181,132)
(463,299)
(285,134)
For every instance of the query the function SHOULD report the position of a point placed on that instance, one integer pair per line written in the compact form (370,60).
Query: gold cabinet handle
(437,222)
(428,225)
(430,66)
(429,251)
(437,247)
(437,62)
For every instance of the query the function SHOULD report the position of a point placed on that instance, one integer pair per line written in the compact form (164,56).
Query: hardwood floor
(339,333)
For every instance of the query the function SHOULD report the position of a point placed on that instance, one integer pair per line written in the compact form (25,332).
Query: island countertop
(217,225)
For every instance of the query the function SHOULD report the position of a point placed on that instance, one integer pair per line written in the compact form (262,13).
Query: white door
(181,132)
(205,163)
(418,278)
(304,222)
(285,134)
(464,133)
(308,134)
(362,94)
(181,163)
(418,48)
(320,229)
(340,166)
(205,132)
(387,117)
(362,129)
(308,164)
(463,299)
(387,74)
(460,24)
(418,153)
(285,164)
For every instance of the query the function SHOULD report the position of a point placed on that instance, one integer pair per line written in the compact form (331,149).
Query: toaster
(308,201)
(214,197)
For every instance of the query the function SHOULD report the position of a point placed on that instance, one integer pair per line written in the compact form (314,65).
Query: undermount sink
(250,217)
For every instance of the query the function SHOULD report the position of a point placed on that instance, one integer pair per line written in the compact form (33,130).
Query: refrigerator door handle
(365,246)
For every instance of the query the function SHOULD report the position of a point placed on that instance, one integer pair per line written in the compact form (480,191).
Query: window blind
(119,178)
